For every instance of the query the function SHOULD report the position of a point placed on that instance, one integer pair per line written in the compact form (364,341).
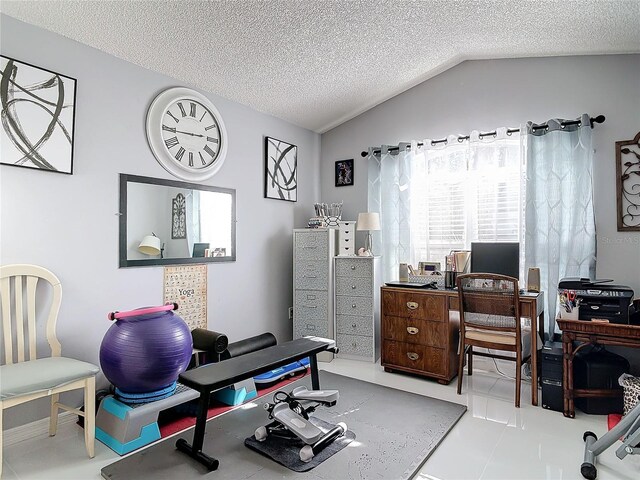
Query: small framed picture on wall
(344,173)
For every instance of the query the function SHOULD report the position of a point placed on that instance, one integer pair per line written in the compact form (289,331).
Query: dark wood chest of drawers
(418,334)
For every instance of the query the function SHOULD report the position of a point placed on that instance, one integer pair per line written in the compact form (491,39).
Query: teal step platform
(124,428)
(238,393)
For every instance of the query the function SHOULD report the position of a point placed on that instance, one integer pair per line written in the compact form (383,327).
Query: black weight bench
(212,377)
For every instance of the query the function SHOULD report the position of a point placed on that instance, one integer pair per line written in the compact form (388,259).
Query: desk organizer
(439,279)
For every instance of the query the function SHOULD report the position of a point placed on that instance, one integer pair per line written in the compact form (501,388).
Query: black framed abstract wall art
(344,173)
(38,115)
(281,170)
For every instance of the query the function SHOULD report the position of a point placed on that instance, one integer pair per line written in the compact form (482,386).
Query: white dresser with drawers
(357,307)
(313,252)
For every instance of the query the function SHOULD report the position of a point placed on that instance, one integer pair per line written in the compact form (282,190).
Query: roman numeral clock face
(186,134)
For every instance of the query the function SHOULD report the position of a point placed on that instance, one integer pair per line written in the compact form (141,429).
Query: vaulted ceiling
(317,64)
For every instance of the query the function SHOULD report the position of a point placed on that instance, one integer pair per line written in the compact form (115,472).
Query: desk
(215,376)
(440,310)
(589,332)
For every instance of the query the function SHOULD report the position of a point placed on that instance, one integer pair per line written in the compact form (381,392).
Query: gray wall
(485,94)
(69,225)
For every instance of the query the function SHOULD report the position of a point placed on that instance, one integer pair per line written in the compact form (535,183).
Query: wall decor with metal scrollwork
(179,217)
(628,184)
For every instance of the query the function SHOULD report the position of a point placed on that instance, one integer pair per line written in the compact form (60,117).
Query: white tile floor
(493,440)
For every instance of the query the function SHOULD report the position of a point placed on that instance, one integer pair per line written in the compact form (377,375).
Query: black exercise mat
(396,432)
(286,451)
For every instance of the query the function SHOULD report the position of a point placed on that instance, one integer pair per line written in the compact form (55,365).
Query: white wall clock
(186,134)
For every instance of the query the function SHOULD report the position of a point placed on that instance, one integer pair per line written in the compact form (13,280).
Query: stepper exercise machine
(290,415)
(628,430)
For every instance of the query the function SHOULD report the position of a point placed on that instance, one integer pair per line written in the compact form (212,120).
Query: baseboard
(35,429)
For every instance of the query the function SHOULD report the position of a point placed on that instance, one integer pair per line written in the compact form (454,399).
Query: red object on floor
(218,409)
(613,419)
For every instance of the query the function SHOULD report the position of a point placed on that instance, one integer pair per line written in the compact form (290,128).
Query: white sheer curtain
(442,196)
(193,220)
(560,220)
(389,193)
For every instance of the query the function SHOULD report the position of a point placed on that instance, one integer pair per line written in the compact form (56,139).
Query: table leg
(315,379)
(567,377)
(195,450)
(534,360)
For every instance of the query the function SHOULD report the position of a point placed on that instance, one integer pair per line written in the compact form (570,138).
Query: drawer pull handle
(353,267)
(310,306)
(309,246)
(412,305)
(311,297)
(412,355)
(353,325)
(353,305)
(354,345)
(412,330)
(309,276)
(353,287)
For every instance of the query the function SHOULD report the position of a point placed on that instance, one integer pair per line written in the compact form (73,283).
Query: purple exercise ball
(146,353)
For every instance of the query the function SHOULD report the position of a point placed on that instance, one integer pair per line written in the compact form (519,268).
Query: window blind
(463,194)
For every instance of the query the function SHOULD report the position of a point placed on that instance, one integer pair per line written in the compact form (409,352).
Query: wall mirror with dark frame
(168,222)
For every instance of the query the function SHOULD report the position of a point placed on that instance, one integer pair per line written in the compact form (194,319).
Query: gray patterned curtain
(560,232)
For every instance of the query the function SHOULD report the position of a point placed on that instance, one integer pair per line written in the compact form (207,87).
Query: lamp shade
(368,221)
(150,245)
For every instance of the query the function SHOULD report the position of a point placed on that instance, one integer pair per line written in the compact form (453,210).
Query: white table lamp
(369,222)
(151,245)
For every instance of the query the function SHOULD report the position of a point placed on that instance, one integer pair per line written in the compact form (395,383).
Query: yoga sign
(186,285)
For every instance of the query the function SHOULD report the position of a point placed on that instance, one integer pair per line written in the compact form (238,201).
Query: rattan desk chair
(489,318)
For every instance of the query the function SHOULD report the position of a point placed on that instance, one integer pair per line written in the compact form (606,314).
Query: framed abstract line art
(281,170)
(38,115)
(344,173)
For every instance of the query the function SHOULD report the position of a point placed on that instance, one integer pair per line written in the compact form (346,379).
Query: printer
(600,300)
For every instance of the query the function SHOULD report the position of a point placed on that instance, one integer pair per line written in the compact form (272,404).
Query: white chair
(24,376)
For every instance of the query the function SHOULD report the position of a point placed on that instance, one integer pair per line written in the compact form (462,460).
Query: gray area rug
(395,432)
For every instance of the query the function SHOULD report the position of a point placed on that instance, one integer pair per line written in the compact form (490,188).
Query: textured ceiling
(319,63)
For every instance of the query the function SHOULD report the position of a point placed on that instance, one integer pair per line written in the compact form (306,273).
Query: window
(465,193)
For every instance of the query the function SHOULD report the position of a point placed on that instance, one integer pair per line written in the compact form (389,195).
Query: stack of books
(458,261)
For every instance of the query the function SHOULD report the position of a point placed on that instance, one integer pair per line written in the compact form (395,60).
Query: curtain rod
(461,138)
